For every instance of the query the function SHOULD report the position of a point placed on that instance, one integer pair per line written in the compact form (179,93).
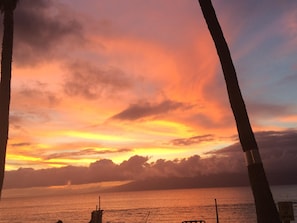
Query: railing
(194,221)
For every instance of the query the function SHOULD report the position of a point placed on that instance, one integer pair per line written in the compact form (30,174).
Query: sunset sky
(110,79)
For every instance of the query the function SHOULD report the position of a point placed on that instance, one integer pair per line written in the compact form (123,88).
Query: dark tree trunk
(265,206)
(6,60)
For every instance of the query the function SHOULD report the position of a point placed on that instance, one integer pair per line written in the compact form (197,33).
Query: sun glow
(96,136)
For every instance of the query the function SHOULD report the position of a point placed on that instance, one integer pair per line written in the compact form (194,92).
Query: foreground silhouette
(7,8)
(265,207)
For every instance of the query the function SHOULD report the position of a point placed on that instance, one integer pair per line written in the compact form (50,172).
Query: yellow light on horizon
(61,162)
(97,136)
(22,157)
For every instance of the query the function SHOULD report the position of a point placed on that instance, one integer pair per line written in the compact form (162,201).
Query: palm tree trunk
(265,207)
(6,60)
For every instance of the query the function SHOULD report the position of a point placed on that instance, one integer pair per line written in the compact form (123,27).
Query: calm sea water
(170,206)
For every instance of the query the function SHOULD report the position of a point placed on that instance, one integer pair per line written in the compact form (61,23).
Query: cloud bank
(278,150)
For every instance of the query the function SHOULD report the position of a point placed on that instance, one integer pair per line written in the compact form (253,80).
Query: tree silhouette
(265,207)
(7,8)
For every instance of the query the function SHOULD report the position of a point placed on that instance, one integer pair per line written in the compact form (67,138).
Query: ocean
(171,206)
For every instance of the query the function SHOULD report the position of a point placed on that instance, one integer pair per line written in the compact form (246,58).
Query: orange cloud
(121,81)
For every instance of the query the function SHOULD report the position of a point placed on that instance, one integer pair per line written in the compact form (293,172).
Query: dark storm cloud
(136,168)
(188,167)
(146,109)
(40,30)
(192,140)
(92,82)
(277,149)
(99,171)
(28,177)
